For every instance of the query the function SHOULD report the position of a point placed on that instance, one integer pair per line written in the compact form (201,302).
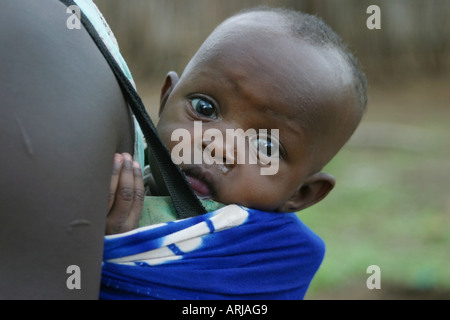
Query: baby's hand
(126,195)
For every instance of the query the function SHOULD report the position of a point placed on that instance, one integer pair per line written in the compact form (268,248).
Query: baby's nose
(217,150)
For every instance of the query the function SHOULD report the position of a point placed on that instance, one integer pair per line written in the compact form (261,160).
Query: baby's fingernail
(117,162)
(137,168)
(127,156)
(127,161)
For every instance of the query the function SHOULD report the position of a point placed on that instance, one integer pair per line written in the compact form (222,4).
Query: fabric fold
(230,253)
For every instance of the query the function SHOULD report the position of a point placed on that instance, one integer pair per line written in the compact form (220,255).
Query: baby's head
(285,79)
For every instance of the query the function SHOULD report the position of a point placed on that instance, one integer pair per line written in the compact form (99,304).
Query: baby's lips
(200,187)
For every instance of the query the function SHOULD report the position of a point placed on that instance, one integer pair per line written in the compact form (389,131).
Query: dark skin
(126,195)
(62,119)
(290,85)
(303,90)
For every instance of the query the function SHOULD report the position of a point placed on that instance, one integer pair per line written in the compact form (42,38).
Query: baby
(267,70)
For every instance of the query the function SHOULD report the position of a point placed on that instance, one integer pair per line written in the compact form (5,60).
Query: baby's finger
(139,196)
(117,166)
(123,201)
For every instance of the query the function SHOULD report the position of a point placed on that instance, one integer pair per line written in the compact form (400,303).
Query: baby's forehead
(269,63)
(262,20)
(266,37)
(256,56)
(251,27)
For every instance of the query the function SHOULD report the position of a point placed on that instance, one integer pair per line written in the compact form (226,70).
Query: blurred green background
(391,204)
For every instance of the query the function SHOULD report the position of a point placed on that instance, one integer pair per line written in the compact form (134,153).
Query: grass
(391,204)
(390,209)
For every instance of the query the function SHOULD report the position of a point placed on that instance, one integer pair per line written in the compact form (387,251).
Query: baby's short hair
(315,31)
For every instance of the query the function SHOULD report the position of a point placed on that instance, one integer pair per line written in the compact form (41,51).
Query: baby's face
(266,92)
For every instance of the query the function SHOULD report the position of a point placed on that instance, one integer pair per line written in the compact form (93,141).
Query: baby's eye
(204,107)
(266,146)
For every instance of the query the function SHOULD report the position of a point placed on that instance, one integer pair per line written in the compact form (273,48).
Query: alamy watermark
(374,280)
(74,20)
(210,147)
(73,282)
(374,20)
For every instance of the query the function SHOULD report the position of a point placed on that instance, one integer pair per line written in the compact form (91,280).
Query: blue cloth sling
(231,253)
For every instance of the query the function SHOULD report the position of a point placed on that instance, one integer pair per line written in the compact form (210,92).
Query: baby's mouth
(200,187)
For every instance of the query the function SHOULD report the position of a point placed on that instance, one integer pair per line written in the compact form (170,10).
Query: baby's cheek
(253,191)
(173,135)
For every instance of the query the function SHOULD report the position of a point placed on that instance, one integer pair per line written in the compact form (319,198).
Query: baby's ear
(314,189)
(170,82)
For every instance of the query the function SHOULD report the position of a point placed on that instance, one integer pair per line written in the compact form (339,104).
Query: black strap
(184,200)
